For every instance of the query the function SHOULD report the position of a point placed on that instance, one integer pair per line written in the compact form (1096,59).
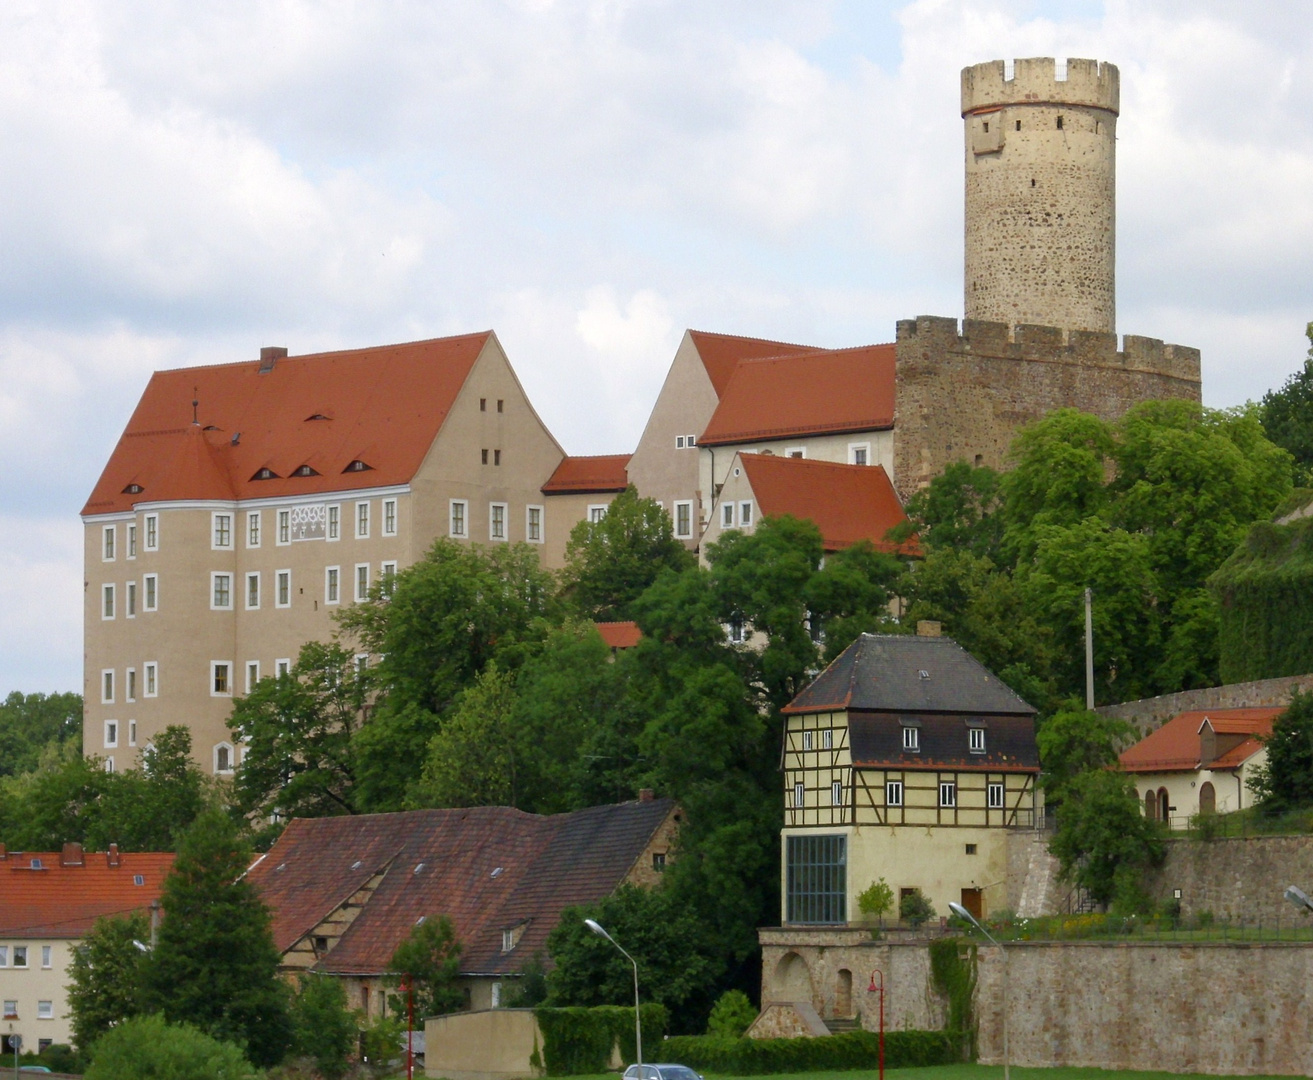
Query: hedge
(849,1050)
(578,1040)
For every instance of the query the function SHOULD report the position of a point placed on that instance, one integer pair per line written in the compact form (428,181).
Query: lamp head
(140,946)
(1299,897)
(960,911)
(596,928)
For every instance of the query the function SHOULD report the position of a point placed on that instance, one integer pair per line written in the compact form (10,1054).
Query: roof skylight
(265,473)
(133,489)
(304,470)
(357,466)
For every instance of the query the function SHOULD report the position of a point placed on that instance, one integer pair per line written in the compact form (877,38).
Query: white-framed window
(107,601)
(683,519)
(799,795)
(150,592)
(221,591)
(222,536)
(362,581)
(389,517)
(387,573)
(332,584)
(795,452)
(253,528)
(947,793)
(893,793)
(108,534)
(596,512)
(976,740)
(282,667)
(253,590)
(284,528)
(737,632)
(223,757)
(20,956)
(727,515)
(836,793)
(111,734)
(45,1010)
(130,685)
(283,589)
(827,739)
(859,453)
(131,530)
(690,441)
(533,524)
(150,679)
(911,739)
(362,521)
(496,521)
(4,962)
(221,678)
(334,525)
(460,513)
(130,600)
(132,733)
(362,663)
(11,1009)
(47,956)
(152,524)
(679,442)
(745,514)
(107,686)
(807,740)
(252,674)
(109,764)
(994,795)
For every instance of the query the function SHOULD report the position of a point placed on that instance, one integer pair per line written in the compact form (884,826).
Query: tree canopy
(1285,782)
(1288,416)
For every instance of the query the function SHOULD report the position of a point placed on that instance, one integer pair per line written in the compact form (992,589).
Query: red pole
(410,1028)
(874,989)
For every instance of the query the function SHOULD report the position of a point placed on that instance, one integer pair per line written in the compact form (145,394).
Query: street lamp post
(596,928)
(962,913)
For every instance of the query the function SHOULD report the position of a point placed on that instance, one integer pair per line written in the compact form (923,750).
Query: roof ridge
(815,354)
(321,355)
(746,337)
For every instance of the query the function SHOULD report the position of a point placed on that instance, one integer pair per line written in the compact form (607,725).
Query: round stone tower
(1040,193)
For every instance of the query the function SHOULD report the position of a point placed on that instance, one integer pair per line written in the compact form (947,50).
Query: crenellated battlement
(1034,81)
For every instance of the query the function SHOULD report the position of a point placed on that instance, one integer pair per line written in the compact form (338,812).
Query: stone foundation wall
(1241,878)
(1149,714)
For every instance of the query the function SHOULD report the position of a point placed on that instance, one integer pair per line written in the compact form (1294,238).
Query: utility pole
(1089,653)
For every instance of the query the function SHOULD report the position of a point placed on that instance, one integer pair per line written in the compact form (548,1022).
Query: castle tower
(1040,193)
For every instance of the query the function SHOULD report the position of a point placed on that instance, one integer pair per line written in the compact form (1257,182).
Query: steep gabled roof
(381,406)
(721,353)
(1175,747)
(815,393)
(64,901)
(584,475)
(488,869)
(848,503)
(883,673)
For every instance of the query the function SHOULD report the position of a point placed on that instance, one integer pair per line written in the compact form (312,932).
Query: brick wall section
(1149,714)
(1241,877)
(963,396)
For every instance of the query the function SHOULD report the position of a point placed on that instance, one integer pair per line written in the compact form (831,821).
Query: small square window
(684,520)
(893,793)
(223,531)
(971,849)
(389,517)
(152,523)
(596,512)
(282,667)
(659,861)
(111,734)
(132,541)
(459,517)
(107,602)
(947,793)
(796,452)
(859,453)
(11,1010)
(283,585)
(45,1010)
(107,554)
(679,442)
(994,793)
(150,599)
(911,739)
(533,525)
(20,956)
(690,440)
(334,523)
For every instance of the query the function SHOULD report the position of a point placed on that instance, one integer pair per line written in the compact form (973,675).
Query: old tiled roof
(848,503)
(581,475)
(877,742)
(620,635)
(488,869)
(381,406)
(817,393)
(1174,747)
(721,353)
(883,673)
(59,901)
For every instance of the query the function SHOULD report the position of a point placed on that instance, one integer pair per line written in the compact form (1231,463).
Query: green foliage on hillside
(105,977)
(1288,417)
(426,965)
(1285,782)
(29,723)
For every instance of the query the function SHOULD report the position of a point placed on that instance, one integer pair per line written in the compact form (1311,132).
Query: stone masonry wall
(1242,877)
(963,396)
(1149,714)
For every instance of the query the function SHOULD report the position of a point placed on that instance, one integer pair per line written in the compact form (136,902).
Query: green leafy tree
(609,562)
(876,900)
(850,595)
(1285,782)
(732,1015)
(215,965)
(472,759)
(1073,742)
(299,730)
(150,1048)
(914,908)
(150,808)
(105,977)
(958,510)
(31,722)
(428,961)
(323,1027)
(1103,841)
(55,804)
(1288,417)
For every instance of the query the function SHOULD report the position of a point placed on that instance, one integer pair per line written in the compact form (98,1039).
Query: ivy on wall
(953,975)
(578,1040)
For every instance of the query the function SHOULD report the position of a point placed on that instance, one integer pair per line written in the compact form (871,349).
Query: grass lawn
(972,1072)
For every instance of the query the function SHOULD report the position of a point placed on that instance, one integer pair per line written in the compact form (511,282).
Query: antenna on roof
(195,404)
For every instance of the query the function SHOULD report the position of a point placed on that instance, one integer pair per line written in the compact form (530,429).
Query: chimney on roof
(71,855)
(646,795)
(112,855)
(928,628)
(269,356)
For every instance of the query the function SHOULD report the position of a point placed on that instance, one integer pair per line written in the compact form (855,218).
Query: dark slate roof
(488,869)
(882,673)
(877,742)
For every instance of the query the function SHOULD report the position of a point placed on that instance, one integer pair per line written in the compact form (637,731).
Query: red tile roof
(816,393)
(383,406)
(1174,747)
(488,869)
(60,901)
(848,503)
(620,635)
(581,475)
(721,353)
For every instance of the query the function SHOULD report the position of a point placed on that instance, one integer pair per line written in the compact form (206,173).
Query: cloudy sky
(184,182)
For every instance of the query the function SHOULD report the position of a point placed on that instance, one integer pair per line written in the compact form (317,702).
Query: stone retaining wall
(1149,714)
(1241,878)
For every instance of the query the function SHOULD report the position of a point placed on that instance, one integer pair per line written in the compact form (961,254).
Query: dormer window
(315,416)
(304,470)
(133,489)
(911,739)
(976,740)
(357,466)
(265,473)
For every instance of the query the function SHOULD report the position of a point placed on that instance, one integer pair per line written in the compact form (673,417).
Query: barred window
(817,879)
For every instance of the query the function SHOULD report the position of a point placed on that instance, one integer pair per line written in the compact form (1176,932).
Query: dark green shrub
(850,1050)
(578,1039)
(148,1046)
(914,908)
(732,1015)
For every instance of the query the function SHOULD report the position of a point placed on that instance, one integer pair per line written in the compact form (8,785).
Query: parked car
(33,1068)
(662,1072)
